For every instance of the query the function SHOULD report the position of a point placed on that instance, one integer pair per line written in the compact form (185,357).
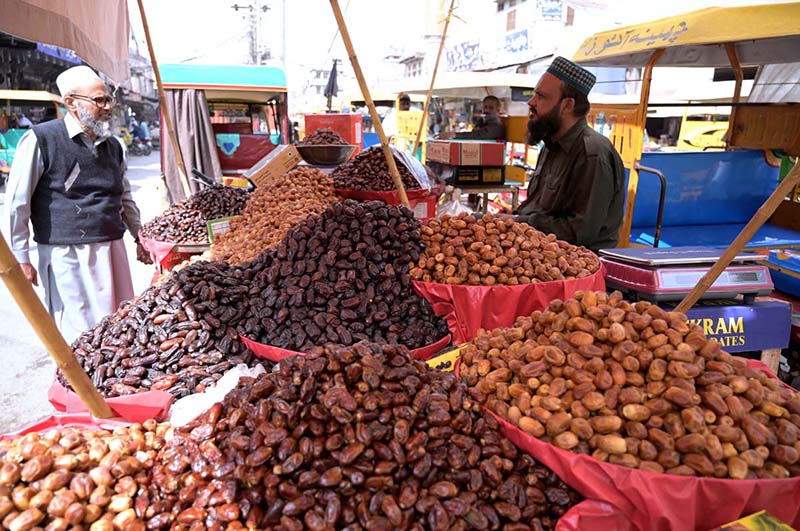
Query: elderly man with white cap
(68,181)
(577,191)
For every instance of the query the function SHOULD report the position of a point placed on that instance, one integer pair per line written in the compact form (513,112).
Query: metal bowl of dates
(325,154)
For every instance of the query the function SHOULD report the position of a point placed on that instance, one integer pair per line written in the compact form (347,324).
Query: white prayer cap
(75,77)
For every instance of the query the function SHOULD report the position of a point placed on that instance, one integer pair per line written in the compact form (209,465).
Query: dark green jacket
(577,191)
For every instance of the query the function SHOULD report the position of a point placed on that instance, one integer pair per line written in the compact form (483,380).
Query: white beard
(100,128)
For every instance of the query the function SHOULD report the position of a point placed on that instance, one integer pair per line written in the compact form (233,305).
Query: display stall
(288,380)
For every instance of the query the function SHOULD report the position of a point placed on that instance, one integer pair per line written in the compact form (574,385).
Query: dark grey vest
(72,207)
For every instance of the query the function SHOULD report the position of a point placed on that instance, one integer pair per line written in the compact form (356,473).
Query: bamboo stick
(376,119)
(424,120)
(761,216)
(48,333)
(730,48)
(173,139)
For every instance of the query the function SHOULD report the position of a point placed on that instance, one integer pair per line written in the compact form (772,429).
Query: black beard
(544,127)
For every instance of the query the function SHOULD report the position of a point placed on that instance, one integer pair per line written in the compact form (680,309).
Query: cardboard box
(279,161)
(473,174)
(348,126)
(466,152)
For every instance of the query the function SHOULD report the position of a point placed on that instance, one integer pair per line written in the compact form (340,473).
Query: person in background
(24,122)
(577,190)
(488,127)
(295,132)
(67,180)
(390,127)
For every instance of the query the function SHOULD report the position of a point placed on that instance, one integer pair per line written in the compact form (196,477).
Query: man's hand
(446,135)
(142,255)
(30,273)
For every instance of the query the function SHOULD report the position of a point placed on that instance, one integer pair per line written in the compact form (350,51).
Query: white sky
(211,32)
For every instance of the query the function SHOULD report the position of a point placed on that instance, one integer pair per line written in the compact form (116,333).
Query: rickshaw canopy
(473,85)
(763,34)
(236,82)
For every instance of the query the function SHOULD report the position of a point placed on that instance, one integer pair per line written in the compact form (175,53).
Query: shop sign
(463,57)
(762,325)
(64,54)
(551,10)
(517,42)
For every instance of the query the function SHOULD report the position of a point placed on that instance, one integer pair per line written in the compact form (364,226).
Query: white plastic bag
(452,206)
(187,409)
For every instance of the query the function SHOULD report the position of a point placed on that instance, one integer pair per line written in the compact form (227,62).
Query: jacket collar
(568,140)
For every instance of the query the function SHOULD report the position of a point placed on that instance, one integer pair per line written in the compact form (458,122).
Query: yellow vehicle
(713,37)
(35,106)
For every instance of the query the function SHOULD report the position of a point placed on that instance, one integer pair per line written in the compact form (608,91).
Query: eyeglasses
(99,101)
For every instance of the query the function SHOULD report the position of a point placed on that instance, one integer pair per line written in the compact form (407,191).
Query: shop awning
(764,34)
(98,32)
(475,85)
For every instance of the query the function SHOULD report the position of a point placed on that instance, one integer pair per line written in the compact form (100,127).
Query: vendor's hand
(142,255)
(30,273)
(447,135)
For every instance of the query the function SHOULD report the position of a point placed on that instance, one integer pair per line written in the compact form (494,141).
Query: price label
(218,226)
(447,361)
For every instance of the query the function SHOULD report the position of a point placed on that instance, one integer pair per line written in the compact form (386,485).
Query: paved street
(28,368)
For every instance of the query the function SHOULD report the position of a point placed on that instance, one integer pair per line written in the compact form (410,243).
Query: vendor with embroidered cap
(577,191)
(68,181)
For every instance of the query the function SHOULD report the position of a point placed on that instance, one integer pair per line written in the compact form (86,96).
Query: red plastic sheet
(70,420)
(628,499)
(162,253)
(158,250)
(276,354)
(422,201)
(470,308)
(131,408)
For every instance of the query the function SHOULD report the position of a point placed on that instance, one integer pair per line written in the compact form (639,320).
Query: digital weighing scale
(669,274)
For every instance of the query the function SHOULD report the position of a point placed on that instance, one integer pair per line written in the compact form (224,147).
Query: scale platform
(669,274)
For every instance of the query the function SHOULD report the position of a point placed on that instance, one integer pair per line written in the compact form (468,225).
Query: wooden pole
(48,333)
(760,217)
(424,121)
(376,119)
(173,139)
(633,177)
(733,57)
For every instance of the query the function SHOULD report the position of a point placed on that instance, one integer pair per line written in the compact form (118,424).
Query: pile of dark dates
(368,171)
(325,136)
(185,222)
(342,277)
(351,438)
(179,336)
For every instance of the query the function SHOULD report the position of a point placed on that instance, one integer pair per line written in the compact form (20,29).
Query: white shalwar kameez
(82,283)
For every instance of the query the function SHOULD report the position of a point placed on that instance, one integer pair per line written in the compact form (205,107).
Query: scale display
(670,274)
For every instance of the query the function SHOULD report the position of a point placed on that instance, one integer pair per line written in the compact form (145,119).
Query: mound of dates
(180,336)
(185,222)
(75,478)
(342,277)
(273,209)
(492,250)
(368,171)
(322,137)
(351,438)
(634,385)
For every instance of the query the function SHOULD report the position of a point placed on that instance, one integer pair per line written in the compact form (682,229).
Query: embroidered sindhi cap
(572,74)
